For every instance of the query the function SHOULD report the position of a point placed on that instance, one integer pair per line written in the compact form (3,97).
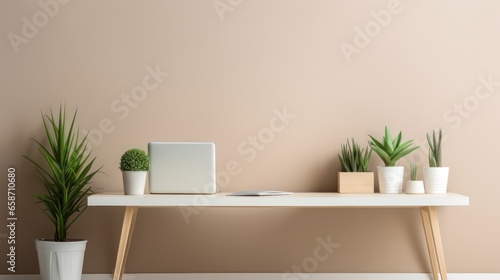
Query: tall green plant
(65,172)
(435,148)
(391,150)
(353,158)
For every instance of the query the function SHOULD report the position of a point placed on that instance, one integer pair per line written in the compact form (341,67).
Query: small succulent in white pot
(414,186)
(134,165)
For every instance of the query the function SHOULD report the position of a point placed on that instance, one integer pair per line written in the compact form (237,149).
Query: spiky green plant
(134,160)
(391,150)
(413,171)
(435,148)
(353,158)
(65,172)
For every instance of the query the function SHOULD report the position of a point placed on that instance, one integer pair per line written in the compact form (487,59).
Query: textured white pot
(415,187)
(134,182)
(390,179)
(60,260)
(436,179)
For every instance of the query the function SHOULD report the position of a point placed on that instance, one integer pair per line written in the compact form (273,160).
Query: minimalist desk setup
(426,203)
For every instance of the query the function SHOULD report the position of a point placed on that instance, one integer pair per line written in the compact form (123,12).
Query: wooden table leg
(424,212)
(436,233)
(434,243)
(125,238)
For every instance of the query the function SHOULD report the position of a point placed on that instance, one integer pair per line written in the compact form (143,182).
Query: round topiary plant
(134,160)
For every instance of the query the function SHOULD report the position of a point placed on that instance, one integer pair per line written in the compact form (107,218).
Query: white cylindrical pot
(134,182)
(60,260)
(415,187)
(436,179)
(390,179)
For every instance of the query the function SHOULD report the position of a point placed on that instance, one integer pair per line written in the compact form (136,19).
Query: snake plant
(435,148)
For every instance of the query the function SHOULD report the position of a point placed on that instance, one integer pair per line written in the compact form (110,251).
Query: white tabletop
(305,199)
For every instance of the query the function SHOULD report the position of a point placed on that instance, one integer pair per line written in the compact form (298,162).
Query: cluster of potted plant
(354,176)
(66,171)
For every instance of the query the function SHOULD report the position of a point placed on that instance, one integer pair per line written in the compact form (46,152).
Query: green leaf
(404,153)
(375,142)
(382,154)
(388,143)
(397,141)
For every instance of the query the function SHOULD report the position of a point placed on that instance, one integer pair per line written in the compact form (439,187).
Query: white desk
(427,204)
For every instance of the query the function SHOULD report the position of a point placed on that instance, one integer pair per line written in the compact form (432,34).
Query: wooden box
(356,182)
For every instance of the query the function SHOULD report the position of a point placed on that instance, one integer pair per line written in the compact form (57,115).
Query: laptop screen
(182,167)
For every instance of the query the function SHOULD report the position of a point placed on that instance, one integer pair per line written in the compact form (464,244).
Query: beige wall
(230,69)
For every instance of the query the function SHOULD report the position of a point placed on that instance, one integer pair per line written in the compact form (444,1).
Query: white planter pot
(415,187)
(436,179)
(60,260)
(390,179)
(134,182)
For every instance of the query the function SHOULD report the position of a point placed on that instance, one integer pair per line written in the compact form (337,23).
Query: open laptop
(182,168)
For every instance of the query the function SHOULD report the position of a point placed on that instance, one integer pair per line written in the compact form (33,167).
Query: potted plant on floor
(414,186)
(390,176)
(134,165)
(354,176)
(435,176)
(65,172)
